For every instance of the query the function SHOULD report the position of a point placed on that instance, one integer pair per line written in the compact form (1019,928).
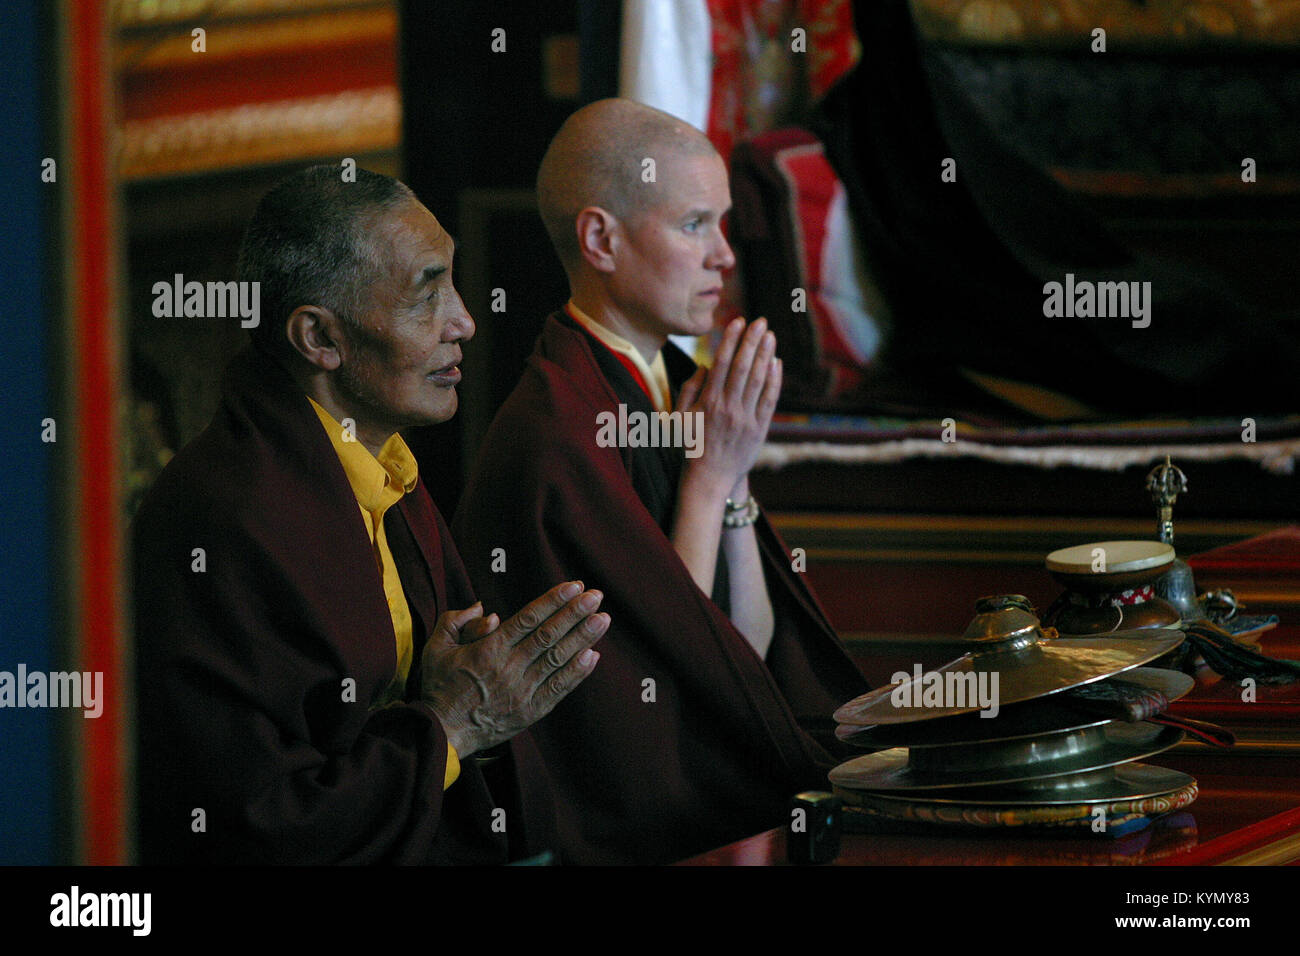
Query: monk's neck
(318,389)
(605,313)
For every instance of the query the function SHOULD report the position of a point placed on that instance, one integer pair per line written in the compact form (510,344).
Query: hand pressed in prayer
(488,680)
(738,396)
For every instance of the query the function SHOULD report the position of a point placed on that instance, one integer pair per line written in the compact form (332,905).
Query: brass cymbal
(1130,781)
(1027,719)
(1023,670)
(1001,763)
(1031,718)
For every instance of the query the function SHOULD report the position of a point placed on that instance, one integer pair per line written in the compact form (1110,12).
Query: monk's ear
(314,333)
(598,237)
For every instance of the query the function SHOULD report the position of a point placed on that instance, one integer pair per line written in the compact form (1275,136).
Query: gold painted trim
(353,122)
(137,14)
(1171,25)
(1139,527)
(265,38)
(983,540)
(1247,744)
(1278,853)
(940,555)
(1265,598)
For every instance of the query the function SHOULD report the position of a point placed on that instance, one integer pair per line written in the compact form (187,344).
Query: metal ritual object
(1110,586)
(1047,763)
(1040,758)
(1027,719)
(1177,585)
(1165,483)
(1129,781)
(1118,817)
(1118,586)
(1007,644)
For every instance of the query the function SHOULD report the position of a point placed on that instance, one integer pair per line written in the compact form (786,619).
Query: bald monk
(719,670)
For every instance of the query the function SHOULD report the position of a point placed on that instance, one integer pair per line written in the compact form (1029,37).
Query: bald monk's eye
(693,225)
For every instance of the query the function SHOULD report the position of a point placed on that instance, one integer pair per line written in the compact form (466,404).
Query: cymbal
(1008,672)
(1027,719)
(1020,761)
(1130,781)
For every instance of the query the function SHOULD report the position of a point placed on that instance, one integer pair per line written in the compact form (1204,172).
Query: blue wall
(28,271)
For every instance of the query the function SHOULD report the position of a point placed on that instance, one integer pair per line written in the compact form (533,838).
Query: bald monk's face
(667,276)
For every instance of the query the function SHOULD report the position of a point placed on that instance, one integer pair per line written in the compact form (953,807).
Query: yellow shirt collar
(377,482)
(655,373)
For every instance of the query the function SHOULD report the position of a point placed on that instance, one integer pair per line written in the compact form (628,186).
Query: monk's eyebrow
(707,214)
(430,273)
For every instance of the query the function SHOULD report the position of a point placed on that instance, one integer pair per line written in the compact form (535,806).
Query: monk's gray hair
(309,244)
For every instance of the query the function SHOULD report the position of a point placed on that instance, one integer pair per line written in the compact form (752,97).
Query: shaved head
(598,159)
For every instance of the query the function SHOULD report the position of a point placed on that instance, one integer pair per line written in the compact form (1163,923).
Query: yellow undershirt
(379,483)
(654,373)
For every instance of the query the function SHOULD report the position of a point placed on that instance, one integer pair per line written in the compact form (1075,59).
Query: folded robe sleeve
(246,718)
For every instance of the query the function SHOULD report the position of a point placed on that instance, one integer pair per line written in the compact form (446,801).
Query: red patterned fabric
(1113,599)
(783,189)
(813,185)
(758,78)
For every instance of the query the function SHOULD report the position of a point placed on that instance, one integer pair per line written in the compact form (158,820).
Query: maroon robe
(244,706)
(725,741)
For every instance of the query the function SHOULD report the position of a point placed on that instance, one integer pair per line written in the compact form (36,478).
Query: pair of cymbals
(950,738)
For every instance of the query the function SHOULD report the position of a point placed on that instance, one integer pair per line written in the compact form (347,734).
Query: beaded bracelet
(740,515)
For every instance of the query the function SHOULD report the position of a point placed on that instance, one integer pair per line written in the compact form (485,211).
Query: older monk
(315,680)
(720,670)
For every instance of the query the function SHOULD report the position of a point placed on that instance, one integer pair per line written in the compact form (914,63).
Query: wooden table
(1248,811)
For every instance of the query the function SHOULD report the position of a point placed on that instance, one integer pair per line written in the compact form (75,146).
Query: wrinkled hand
(508,676)
(738,396)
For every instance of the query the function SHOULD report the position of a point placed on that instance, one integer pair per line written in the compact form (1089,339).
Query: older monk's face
(668,274)
(399,367)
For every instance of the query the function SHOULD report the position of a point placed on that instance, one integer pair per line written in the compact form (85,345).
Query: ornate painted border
(355,121)
(1164,24)
(150,13)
